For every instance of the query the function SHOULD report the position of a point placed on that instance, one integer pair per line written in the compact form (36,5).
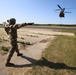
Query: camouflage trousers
(13,49)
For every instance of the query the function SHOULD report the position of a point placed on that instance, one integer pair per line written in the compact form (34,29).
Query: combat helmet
(11,21)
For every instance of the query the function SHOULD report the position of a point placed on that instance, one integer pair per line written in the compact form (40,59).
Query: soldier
(11,30)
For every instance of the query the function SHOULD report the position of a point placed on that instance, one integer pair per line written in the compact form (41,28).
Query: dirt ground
(39,40)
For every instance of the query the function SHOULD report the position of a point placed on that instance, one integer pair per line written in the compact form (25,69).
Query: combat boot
(19,54)
(8,64)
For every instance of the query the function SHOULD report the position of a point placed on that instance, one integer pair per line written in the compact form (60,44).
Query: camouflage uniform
(11,30)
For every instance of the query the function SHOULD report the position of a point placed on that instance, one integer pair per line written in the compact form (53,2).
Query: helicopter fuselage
(61,14)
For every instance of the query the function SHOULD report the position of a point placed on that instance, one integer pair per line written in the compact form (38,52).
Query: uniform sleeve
(20,25)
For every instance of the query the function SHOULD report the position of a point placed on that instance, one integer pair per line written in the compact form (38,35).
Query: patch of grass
(4,48)
(22,38)
(48,34)
(31,35)
(58,59)
(22,42)
(27,43)
(1,40)
(63,46)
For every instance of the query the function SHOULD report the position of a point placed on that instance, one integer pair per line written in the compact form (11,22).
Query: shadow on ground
(44,62)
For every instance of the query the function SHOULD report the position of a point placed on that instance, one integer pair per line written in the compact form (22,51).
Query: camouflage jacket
(11,30)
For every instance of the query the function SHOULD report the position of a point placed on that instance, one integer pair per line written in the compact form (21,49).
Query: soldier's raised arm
(21,25)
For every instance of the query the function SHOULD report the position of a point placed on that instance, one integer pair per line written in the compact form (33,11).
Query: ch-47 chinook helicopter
(62,11)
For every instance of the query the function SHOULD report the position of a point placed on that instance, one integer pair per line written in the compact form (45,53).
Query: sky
(37,11)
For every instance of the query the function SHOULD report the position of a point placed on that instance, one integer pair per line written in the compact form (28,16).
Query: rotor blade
(67,12)
(57,10)
(69,8)
(59,6)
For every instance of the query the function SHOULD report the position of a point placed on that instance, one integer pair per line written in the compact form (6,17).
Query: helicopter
(62,11)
